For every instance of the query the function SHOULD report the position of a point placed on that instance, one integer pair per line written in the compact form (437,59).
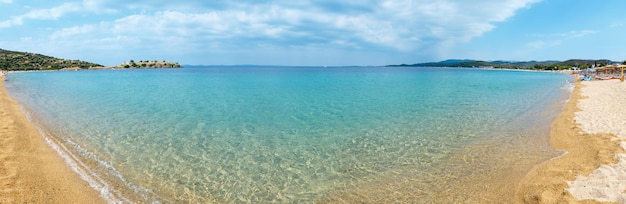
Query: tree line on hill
(532,65)
(15,61)
(22,61)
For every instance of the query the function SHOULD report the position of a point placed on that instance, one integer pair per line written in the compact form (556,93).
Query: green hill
(539,65)
(13,60)
(585,63)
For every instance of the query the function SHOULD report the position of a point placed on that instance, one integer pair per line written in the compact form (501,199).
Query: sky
(315,33)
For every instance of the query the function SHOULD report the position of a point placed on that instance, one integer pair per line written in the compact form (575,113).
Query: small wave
(143,192)
(106,192)
(569,86)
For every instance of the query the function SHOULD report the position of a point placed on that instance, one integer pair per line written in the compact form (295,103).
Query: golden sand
(548,182)
(603,112)
(30,170)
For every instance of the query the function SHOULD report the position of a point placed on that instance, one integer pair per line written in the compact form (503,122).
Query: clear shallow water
(283,134)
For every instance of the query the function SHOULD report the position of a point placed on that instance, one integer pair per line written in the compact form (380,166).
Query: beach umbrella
(589,70)
(622,78)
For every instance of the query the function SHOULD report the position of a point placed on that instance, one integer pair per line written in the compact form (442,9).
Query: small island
(149,64)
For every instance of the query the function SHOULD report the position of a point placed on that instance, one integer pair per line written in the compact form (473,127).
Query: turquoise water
(279,134)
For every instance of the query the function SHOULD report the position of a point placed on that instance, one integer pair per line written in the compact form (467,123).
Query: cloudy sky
(322,32)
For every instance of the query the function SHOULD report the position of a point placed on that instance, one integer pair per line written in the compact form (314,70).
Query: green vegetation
(532,65)
(13,61)
(150,64)
(21,61)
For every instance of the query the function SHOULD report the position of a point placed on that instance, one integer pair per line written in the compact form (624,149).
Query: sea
(277,134)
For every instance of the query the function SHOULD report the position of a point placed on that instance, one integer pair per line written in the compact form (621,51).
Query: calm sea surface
(293,134)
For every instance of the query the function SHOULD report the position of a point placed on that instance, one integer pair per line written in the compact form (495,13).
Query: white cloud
(556,39)
(6,1)
(616,25)
(540,44)
(96,6)
(7,23)
(577,33)
(393,24)
(76,30)
(380,25)
(211,25)
(41,14)
(54,12)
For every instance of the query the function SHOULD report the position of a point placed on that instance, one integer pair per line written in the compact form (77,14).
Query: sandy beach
(604,112)
(30,170)
(591,130)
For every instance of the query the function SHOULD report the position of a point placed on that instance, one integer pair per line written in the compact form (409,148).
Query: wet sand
(603,112)
(30,170)
(586,151)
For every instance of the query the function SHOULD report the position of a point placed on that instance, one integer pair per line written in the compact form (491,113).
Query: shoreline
(490,169)
(585,152)
(31,171)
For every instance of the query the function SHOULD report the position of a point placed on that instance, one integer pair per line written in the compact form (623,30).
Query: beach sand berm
(582,130)
(30,170)
(604,112)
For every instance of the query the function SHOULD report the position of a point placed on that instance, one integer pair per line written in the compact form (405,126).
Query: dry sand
(592,169)
(30,170)
(604,111)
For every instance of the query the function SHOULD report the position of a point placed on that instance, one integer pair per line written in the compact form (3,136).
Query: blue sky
(323,32)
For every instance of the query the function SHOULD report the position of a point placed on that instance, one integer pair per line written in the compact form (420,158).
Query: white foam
(106,192)
(112,170)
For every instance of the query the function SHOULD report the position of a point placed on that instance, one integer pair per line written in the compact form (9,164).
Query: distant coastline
(25,61)
(528,65)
